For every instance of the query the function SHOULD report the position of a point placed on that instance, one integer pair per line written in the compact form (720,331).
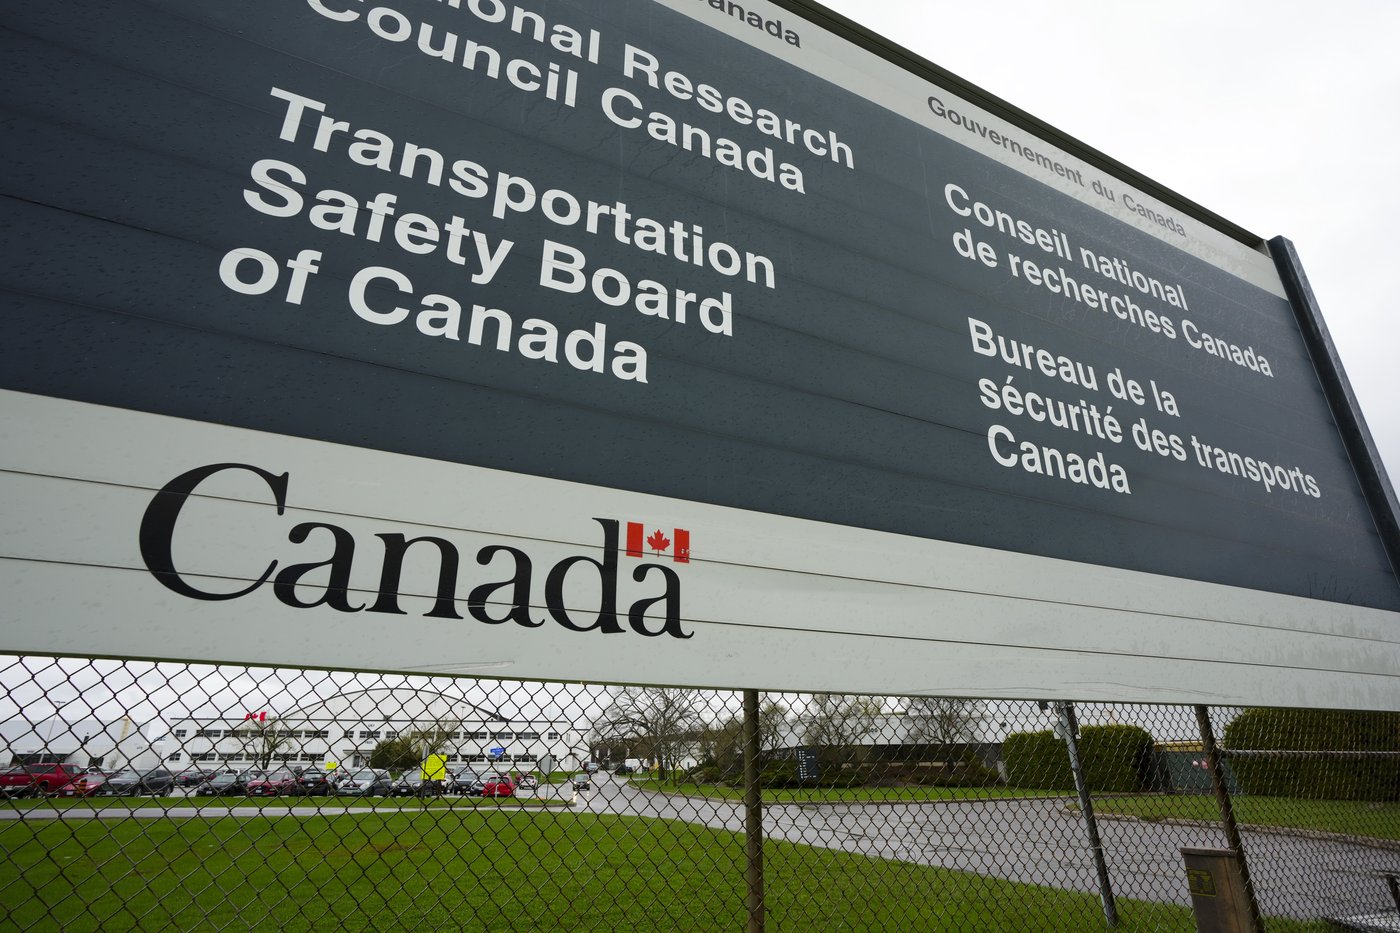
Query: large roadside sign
(641,340)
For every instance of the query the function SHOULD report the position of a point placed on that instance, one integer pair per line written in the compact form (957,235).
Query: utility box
(1217,891)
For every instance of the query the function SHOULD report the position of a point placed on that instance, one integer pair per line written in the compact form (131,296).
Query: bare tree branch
(659,722)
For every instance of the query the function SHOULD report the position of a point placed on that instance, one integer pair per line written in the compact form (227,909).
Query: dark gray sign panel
(661,249)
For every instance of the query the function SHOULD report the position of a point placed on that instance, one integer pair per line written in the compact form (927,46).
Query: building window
(552,735)
(318,734)
(174,757)
(480,735)
(527,735)
(179,733)
(390,734)
(369,733)
(524,757)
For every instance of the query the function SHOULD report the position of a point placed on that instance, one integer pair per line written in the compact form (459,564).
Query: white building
(85,743)
(344,730)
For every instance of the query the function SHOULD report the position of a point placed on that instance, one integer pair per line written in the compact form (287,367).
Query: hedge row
(1114,758)
(1319,778)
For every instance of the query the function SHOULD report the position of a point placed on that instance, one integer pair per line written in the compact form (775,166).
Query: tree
(721,747)
(398,754)
(433,737)
(772,726)
(663,722)
(942,720)
(721,744)
(408,751)
(840,725)
(262,740)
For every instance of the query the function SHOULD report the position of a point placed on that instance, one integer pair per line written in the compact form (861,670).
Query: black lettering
(520,599)
(636,617)
(607,572)
(395,546)
(337,591)
(158,527)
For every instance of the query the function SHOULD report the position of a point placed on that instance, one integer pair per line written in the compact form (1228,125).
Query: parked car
(366,782)
(624,769)
(497,785)
(193,777)
(41,778)
(87,784)
(273,784)
(135,783)
(527,781)
(313,782)
(227,784)
(465,781)
(413,784)
(582,781)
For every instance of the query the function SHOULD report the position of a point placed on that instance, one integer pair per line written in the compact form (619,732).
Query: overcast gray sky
(1281,116)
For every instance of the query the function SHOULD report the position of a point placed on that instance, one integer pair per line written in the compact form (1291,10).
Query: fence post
(1227,813)
(1070,724)
(753,814)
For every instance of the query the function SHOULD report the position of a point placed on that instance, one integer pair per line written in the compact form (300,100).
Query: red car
(44,778)
(497,785)
(84,785)
(272,785)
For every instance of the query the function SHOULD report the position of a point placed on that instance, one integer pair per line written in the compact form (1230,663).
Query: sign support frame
(1341,399)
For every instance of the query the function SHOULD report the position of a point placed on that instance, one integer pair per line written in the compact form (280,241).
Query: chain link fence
(167,796)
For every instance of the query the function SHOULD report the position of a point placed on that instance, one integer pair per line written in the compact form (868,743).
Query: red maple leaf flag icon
(638,541)
(634,539)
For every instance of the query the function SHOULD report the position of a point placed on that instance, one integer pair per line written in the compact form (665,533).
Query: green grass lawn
(496,870)
(1353,818)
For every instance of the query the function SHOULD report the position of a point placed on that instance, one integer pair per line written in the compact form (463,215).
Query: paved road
(1041,841)
(1036,841)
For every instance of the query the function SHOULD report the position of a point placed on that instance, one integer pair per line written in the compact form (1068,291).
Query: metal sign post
(1069,725)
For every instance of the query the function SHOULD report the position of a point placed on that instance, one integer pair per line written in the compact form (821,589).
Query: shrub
(1114,758)
(1036,760)
(1316,778)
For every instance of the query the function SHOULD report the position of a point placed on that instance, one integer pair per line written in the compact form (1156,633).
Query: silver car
(366,782)
(465,781)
